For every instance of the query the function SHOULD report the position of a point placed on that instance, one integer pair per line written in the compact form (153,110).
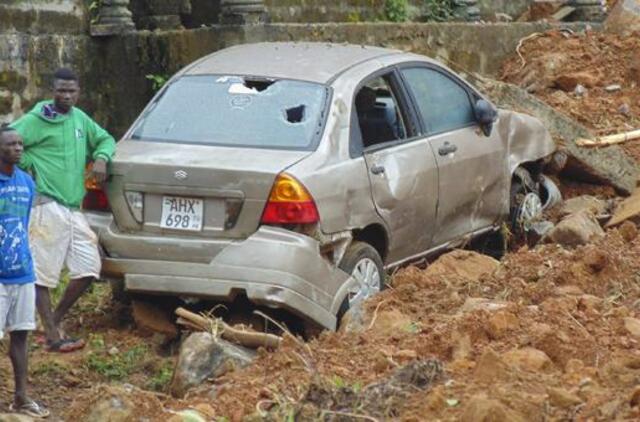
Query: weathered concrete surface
(113,70)
(43,16)
(624,18)
(609,165)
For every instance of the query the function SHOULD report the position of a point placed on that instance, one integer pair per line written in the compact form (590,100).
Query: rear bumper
(273,267)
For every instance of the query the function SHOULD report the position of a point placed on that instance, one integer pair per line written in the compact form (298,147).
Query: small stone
(635,397)
(560,397)
(113,351)
(570,290)
(580,90)
(613,88)
(624,109)
(500,323)
(595,259)
(528,359)
(632,325)
(569,81)
(628,231)
(491,367)
(477,303)
(583,203)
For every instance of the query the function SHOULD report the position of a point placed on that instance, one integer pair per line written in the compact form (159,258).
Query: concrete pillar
(243,12)
(113,18)
(163,14)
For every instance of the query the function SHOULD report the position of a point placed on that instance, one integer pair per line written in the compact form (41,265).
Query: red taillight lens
(95,198)
(289,203)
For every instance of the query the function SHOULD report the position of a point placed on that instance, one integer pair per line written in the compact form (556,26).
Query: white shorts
(59,237)
(17,307)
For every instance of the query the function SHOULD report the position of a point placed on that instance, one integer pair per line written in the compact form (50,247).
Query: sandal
(30,408)
(65,345)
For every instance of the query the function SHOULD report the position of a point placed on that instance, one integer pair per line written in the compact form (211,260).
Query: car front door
(471,166)
(402,168)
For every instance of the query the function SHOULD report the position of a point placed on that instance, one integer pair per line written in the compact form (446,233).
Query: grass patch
(49,368)
(118,365)
(161,378)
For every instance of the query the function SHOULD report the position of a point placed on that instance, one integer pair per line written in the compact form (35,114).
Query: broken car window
(234,111)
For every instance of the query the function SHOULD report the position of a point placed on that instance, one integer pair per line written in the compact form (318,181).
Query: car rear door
(471,166)
(402,167)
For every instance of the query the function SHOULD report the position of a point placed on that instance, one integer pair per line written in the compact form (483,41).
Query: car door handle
(377,169)
(447,149)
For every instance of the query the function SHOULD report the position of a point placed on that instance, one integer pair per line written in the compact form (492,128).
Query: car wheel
(363,262)
(525,203)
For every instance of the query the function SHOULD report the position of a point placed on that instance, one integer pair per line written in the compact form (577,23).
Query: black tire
(355,253)
(521,184)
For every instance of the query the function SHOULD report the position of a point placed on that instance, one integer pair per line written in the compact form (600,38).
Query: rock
(560,397)
(353,320)
(467,264)
(576,229)
(115,408)
(583,203)
(14,417)
(613,88)
(436,399)
(478,303)
(569,290)
(500,323)
(580,90)
(391,321)
(629,209)
(628,231)
(491,367)
(624,18)
(624,109)
(188,415)
(202,356)
(634,400)
(152,318)
(595,258)
(589,303)
(482,409)
(528,359)
(568,82)
(609,165)
(632,325)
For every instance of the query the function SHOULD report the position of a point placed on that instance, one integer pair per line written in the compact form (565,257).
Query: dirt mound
(551,334)
(593,77)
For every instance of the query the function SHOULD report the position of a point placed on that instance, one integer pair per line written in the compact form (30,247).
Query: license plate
(181,213)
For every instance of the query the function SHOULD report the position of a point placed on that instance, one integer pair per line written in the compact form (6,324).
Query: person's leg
(72,293)
(19,360)
(43,303)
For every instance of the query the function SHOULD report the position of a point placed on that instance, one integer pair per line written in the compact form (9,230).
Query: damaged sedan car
(296,174)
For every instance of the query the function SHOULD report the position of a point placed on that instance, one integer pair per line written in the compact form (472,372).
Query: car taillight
(289,203)
(95,199)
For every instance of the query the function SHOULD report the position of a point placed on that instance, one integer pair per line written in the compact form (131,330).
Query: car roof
(306,61)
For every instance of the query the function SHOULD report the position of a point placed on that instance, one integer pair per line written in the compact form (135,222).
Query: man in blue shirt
(17,288)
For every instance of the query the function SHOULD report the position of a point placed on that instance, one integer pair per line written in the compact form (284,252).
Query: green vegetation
(115,366)
(396,10)
(161,378)
(438,10)
(157,80)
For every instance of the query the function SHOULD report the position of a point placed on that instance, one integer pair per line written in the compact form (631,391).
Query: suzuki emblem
(180,175)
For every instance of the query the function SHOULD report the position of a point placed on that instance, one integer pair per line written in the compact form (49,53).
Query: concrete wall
(113,69)
(44,16)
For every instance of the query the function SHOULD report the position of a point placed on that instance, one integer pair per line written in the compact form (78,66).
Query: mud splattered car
(297,173)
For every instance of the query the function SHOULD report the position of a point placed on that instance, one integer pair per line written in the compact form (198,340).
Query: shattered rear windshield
(236,111)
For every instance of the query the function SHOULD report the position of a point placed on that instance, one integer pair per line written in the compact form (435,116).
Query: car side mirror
(486,115)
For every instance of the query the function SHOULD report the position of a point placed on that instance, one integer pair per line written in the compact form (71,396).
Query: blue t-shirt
(16,197)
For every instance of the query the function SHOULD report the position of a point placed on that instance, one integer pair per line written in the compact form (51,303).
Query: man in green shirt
(59,140)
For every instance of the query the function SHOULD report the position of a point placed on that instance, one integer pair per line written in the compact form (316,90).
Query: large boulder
(610,165)
(584,203)
(624,17)
(202,356)
(576,229)
(466,264)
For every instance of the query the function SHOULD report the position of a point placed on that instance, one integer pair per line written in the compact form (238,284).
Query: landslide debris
(592,77)
(549,333)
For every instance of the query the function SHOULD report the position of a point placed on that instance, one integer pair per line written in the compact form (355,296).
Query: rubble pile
(550,332)
(592,77)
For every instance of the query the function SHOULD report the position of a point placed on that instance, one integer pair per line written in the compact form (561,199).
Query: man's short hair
(4,127)
(65,74)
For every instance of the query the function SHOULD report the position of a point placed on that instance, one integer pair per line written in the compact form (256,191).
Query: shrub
(396,10)
(438,10)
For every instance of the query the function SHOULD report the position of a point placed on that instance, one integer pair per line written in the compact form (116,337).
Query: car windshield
(236,111)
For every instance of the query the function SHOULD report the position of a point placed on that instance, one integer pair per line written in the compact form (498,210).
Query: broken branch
(250,339)
(609,140)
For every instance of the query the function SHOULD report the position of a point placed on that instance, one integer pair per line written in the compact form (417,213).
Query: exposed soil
(547,334)
(593,77)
